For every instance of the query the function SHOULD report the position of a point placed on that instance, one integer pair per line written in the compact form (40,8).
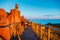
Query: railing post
(49,33)
(37,32)
(41,33)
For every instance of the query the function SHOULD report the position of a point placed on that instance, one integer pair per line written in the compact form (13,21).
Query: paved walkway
(28,34)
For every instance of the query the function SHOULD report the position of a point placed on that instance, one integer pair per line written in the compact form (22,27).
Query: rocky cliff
(11,24)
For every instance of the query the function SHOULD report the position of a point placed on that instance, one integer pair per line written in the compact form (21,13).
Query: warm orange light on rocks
(11,24)
(14,24)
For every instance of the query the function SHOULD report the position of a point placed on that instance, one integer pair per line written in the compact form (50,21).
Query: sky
(37,9)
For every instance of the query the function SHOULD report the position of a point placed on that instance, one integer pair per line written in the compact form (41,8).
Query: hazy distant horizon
(42,17)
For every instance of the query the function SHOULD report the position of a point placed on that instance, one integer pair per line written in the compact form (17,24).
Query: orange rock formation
(14,24)
(11,24)
(4,29)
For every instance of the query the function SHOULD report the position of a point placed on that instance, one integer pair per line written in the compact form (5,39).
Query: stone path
(28,34)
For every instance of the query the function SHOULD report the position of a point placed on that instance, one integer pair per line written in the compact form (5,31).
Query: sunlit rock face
(15,17)
(4,29)
(15,13)
(11,24)
(5,33)
(3,18)
(3,13)
(7,26)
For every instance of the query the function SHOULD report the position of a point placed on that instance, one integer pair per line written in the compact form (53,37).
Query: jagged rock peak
(3,12)
(16,6)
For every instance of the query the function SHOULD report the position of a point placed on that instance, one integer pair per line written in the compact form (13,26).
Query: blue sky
(43,9)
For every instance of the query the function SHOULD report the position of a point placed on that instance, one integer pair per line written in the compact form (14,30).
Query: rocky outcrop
(12,24)
(3,17)
(4,30)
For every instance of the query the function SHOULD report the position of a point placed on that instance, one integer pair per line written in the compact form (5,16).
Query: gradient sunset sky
(42,9)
